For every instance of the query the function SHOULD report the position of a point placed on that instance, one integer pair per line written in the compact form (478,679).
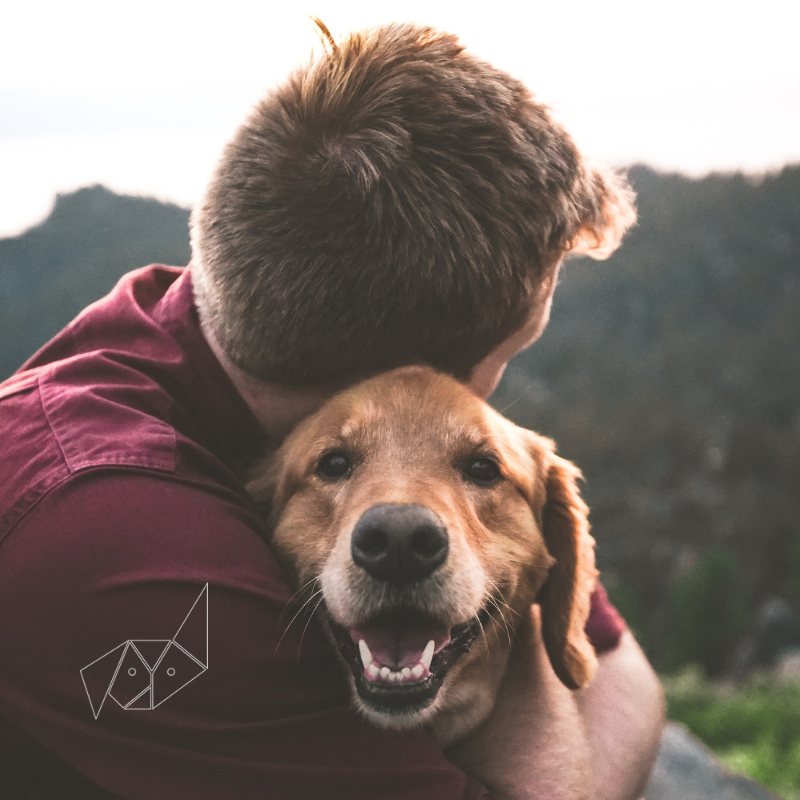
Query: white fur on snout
(453,594)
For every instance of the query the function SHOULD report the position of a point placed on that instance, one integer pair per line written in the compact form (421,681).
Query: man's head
(396,201)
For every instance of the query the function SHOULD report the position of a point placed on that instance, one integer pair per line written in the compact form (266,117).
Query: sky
(142,96)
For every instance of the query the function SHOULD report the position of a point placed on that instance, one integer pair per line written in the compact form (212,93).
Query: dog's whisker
(496,602)
(496,588)
(299,612)
(306,603)
(308,621)
(483,635)
(502,598)
(503,620)
(514,402)
(496,606)
(510,560)
(508,607)
(305,587)
(511,632)
(310,582)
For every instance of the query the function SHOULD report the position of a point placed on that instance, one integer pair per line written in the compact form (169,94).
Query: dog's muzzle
(400,657)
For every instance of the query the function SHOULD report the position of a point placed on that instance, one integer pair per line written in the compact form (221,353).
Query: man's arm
(544,742)
(113,555)
(623,711)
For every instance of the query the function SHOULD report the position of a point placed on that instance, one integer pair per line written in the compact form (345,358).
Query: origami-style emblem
(141,674)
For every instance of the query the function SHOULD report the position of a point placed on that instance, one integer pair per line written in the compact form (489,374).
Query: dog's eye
(334,465)
(482,470)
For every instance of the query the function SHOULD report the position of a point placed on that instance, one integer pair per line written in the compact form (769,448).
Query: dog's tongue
(397,644)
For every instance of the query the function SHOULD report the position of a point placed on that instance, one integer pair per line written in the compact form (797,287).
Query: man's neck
(277,408)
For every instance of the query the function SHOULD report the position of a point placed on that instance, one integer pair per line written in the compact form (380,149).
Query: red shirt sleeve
(114,555)
(605,625)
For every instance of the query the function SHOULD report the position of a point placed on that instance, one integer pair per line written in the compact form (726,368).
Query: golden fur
(520,539)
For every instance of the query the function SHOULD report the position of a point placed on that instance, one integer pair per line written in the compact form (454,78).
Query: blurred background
(670,373)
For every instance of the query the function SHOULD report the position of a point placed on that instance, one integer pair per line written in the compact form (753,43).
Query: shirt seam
(50,427)
(73,465)
(37,493)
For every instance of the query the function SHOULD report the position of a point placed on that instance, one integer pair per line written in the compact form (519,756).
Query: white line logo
(141,674)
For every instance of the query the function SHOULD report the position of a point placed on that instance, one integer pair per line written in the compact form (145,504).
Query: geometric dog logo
(141,674)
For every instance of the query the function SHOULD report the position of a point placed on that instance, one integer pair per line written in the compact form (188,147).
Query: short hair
(397,200)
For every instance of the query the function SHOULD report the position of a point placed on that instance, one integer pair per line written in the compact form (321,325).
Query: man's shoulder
(56,422)
(130,383)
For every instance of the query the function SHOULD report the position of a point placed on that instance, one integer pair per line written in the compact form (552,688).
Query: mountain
(91,238)
(670,374)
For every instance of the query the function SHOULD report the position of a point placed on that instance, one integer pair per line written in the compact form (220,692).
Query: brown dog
(429,523)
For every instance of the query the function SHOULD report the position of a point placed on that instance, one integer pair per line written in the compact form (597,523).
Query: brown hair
(396,200)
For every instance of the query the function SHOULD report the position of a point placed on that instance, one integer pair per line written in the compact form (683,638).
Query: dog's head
(427,520)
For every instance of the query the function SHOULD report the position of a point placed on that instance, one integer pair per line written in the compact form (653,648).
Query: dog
(429,523)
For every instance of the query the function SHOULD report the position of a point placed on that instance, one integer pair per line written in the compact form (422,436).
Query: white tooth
(417,671)
(392,676)
(427,654)
(405,673)
(373,671)
(366,656)
(385,672)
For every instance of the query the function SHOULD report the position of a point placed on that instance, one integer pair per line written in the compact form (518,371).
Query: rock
(778,630)
(687,770)
(773,639)
(787,666)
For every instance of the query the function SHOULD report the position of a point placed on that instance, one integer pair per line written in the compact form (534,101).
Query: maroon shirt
(118,503)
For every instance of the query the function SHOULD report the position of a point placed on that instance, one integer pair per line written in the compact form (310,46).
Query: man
(396,201)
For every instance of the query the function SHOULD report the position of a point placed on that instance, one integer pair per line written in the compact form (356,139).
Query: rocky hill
(670,373)
(91,238)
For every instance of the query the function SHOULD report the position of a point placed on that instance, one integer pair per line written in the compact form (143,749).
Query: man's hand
(545,742)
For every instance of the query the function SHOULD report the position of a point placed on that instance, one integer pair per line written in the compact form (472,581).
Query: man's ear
(565,597)
(608,212)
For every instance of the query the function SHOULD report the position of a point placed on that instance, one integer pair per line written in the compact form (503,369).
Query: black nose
(398,543)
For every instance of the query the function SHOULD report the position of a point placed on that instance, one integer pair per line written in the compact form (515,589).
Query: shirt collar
(224,418)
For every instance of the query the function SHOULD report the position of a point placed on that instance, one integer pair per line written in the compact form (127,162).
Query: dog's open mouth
(400,659)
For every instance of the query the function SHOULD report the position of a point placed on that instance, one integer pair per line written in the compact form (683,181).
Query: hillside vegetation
(91,238)
(753,728)
(670,374)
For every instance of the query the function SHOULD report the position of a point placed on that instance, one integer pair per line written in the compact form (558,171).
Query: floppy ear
(566,594)
(261,479)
